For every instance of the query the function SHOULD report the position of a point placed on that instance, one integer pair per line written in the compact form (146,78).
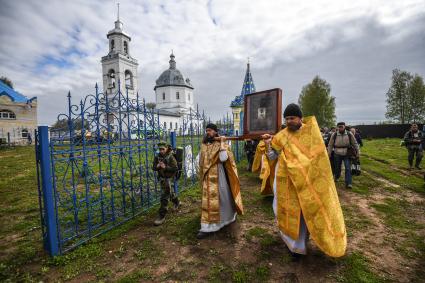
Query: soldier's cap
(163,145)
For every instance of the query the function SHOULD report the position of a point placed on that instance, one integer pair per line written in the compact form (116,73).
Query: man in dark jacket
(414,140)
(166,167)
(250,147)
(357,135)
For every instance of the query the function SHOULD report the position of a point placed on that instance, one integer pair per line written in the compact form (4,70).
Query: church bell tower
(118,64)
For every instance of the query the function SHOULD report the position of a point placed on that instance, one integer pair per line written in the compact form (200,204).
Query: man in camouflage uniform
(166,167)
(413,140)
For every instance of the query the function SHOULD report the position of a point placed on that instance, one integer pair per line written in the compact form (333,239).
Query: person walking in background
(325,135)
(29,139)
(357,136)
(328,136)
(250,146)
(345,147)
(355,166)
(166,167)
(413,140)
(331,156)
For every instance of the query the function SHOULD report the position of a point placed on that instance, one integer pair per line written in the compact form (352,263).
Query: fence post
(51,241)
(173,142)
(237,147)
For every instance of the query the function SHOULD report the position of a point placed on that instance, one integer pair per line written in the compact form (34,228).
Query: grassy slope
(138,251)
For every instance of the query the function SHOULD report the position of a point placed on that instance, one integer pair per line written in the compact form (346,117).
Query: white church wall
(171,101)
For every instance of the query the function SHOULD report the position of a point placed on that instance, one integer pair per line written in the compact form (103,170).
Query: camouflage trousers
(167,193)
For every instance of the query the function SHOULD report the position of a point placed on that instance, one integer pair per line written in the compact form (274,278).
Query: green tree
(406,98)
(397,97)
(315,99)
(416,99)
(151,105)
(62,125)
(6,81)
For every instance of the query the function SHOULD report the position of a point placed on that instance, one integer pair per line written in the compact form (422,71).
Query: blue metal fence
(95,165)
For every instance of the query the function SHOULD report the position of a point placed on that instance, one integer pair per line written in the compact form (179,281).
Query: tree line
(406,98)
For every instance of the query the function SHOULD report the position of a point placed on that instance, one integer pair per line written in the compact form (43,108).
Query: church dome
(172,77)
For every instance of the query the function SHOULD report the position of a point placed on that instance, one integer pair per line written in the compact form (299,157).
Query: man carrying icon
(221,197)
(305,202)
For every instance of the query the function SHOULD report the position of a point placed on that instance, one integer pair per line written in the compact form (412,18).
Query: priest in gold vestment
(264,167)
(221,197)
(305,202)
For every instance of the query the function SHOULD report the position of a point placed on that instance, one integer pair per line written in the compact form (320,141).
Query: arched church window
(128,79)
(177,95)
(112,45)
(111,78)
(176,126)
(7,114)
(163,96)
(171,125)
(165,125)
(125,47)
(188,96)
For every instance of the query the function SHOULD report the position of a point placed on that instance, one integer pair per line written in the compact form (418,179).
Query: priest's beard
(208,139)
(293,128)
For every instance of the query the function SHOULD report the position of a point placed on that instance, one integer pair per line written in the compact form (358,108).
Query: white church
(173,92)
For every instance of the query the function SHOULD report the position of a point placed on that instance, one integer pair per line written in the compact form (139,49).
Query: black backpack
(178,155)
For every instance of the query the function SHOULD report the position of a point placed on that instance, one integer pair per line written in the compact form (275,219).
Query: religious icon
(262,112)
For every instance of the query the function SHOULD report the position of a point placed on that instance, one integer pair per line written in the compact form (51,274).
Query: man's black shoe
(158,221)
(177,205)
(202,235)
(296,257)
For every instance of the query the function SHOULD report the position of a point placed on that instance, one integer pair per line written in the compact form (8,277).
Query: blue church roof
(247,88)
(13,94)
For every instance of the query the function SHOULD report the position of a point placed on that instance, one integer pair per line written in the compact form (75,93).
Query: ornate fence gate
(95,166)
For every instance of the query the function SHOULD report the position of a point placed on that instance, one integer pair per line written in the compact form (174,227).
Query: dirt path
(380,242)
(250,249)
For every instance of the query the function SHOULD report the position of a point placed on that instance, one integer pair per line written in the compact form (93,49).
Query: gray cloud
(354,45)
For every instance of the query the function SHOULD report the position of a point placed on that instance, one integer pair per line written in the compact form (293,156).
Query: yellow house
(18,116)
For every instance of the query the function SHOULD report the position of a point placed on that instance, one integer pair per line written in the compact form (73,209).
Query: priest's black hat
(212,127)
(292,110)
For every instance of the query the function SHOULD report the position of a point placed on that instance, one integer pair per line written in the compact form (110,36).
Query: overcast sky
(49,47)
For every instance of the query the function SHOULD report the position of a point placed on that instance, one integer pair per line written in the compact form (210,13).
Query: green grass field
(384,215)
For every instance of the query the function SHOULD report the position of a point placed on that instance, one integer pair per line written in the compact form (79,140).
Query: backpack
(178,155)
(351,151)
